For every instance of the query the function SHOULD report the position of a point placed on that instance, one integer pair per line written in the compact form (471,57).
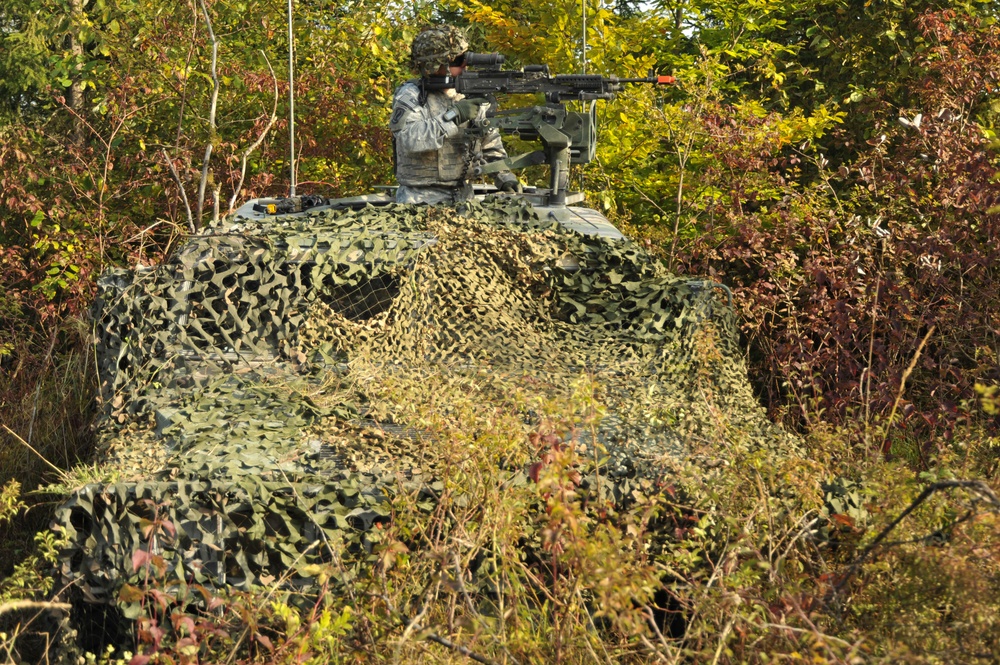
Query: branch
(184,82)
(211,112)
(59,472)
(180,186)
(260,139)
(978,486)
(80,119)
(902,383)
(411,625)
(216,192)
(18,605)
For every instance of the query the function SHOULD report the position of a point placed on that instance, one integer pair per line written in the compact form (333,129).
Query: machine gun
(567,137)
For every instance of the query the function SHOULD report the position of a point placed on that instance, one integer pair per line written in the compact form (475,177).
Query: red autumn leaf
(186,642)
(183,623)
(844,520)
(168,527)
(265,641)
(140,559)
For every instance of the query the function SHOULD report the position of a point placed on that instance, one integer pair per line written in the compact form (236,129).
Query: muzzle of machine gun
(658,80)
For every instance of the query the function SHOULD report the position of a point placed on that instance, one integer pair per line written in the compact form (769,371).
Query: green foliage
(10,500)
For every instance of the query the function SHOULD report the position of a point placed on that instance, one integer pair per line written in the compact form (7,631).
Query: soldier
(434,156)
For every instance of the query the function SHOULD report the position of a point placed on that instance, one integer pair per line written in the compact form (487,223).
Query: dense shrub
(839,281)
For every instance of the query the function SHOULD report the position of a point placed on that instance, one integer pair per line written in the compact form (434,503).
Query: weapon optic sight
(493,60)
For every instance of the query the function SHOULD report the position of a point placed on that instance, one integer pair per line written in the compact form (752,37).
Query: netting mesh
(211,365)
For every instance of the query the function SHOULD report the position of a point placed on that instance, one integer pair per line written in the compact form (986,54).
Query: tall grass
(47,394)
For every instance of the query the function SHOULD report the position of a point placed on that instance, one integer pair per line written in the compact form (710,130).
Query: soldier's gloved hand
(467,109)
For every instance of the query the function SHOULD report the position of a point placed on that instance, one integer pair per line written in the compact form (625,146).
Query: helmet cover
(435,46)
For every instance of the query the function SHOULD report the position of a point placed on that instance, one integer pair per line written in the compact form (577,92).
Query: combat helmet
(435,46)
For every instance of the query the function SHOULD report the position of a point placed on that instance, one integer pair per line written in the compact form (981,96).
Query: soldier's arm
(415,128)
(493,147)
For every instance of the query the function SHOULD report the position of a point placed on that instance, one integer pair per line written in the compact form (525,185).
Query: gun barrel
(658,80)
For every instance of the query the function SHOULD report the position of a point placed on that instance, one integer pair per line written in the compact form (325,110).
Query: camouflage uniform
(434,157)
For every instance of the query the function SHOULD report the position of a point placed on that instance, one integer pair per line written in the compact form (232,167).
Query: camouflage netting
(240,436)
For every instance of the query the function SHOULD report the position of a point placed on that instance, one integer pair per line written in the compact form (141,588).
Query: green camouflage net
(235,377)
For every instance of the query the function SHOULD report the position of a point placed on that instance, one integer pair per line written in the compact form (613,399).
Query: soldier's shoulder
(407,94)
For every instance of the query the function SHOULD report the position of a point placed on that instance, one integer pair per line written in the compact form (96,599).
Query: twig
(793,629)
(815,631)
(651,620)
(682,159)
(411,625)
(203,183)
(140,234)
(586,638)
(937,533)
(187,66)
(651,648)
(260,139)
(791,543)
(461,583)
(18,605)
(649,200)
(866,381)
(722,640)
(180,186)
(38,388)
(14,434)
(977,485)
(902,383)
(81,119)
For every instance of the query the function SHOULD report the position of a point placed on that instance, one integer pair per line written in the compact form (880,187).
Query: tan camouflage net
(231,472)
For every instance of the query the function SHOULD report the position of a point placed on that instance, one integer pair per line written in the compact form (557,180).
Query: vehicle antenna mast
(291,101)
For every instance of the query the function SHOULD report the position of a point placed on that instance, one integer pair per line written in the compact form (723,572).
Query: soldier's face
(447,70)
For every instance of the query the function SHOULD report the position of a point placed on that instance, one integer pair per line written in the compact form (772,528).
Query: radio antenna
(583,70)
(291,101)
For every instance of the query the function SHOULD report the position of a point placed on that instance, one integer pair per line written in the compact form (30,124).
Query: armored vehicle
(253,418)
